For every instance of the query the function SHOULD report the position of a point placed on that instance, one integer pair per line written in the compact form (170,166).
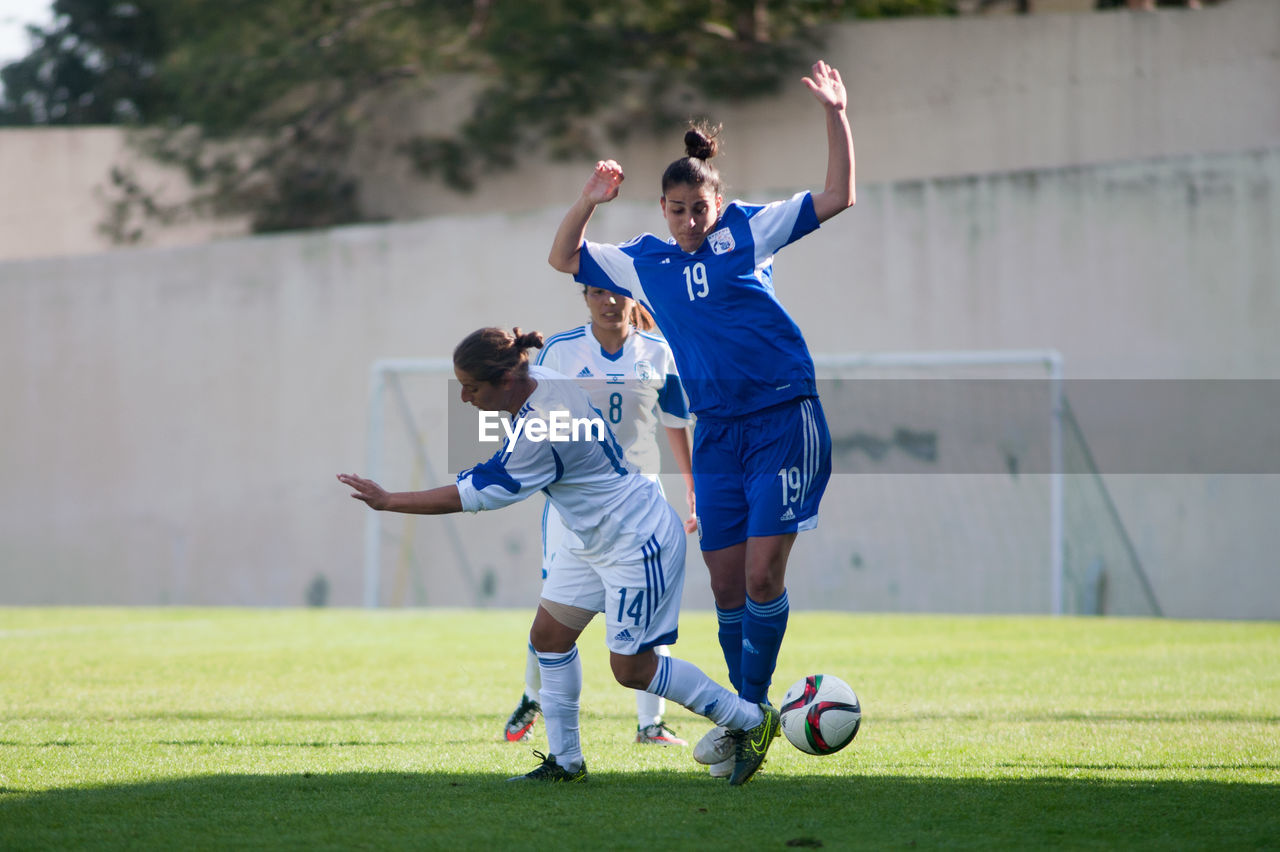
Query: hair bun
(698,144)
(526,340)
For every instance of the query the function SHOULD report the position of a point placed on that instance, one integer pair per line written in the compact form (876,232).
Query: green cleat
(553,772)
(750,746)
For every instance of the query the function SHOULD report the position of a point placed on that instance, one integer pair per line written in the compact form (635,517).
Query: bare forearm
(838,193)
(678,439)
(566,246)
(436,501)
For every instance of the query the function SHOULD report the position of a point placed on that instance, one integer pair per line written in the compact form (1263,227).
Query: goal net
(960,483)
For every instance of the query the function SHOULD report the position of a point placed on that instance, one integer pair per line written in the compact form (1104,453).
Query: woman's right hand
(371,493)
(604,182)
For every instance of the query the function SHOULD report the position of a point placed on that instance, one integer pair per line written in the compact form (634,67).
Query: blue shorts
(760,474)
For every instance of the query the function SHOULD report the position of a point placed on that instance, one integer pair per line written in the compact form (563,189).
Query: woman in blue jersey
(762,452)
(630,558)
(630,376)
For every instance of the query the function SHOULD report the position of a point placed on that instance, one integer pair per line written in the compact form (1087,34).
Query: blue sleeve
(491,473)
(513,474)
(672,400)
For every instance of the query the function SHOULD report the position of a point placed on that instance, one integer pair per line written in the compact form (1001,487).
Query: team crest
(644,372)
(721,241)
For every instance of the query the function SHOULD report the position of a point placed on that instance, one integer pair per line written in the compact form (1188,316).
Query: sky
(14,16)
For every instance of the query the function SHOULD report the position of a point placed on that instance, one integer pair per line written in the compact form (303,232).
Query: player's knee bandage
(573,617)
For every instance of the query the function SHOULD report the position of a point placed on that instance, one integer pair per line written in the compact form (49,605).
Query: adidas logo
(665,260)
(746,646)
(788,515)
(585,374)
(624,636)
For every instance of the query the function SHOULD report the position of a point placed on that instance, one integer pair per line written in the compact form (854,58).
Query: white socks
(685,684)
(561,689)
(532,676)
(650,707)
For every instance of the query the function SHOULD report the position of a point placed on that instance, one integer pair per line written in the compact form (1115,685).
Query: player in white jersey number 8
(632,541)
(630,375)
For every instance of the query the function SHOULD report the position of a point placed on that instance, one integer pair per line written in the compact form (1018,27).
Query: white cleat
(715,747)
(723,769)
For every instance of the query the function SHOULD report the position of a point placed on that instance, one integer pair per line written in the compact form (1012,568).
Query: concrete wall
(931,97)
(173,418)
(1102,184)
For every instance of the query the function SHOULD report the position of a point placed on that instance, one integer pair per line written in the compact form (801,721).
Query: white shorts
(637,583)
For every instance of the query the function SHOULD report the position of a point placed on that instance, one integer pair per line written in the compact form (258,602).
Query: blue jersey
(738,349)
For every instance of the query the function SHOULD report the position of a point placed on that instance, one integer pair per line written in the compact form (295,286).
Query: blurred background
(218,220)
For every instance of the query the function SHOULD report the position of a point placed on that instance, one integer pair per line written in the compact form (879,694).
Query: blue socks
(763,626)
(730,636)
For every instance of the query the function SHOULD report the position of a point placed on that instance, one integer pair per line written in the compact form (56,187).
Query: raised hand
(827,86)
(604,182)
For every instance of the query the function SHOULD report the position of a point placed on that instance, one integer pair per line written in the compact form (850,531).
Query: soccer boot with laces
(658,734)
(553,772)
(715,751)
(520,724)
(716,746)
(751,746)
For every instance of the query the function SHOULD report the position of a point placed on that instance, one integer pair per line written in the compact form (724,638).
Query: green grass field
(215,728)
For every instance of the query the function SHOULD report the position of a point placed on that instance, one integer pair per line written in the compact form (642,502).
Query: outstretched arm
(601,187)
(838,194)
(438,501)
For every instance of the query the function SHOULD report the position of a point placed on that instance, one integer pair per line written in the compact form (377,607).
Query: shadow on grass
(650,810)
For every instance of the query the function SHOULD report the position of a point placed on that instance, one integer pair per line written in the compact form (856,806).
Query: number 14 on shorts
(630,605)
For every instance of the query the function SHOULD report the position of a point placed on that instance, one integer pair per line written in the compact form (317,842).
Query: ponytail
(490,354)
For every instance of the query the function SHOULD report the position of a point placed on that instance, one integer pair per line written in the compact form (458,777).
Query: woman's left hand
(827,86)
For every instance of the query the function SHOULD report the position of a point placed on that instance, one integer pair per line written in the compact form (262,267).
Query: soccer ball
(820,714)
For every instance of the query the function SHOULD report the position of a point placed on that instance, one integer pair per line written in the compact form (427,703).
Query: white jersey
(598,494)
(636,388)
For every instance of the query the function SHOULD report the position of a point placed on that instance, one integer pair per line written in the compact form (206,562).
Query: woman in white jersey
(631,378)
(631,555)
(762,451)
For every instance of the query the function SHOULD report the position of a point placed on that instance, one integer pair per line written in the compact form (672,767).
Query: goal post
(388,400)
(1043,366)
(961,483)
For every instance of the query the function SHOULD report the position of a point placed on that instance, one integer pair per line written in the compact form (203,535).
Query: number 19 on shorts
(790,477)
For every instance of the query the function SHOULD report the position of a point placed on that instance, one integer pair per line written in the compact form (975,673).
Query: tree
(260,101)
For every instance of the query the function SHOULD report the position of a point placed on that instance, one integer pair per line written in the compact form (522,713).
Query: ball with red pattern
(821,714)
